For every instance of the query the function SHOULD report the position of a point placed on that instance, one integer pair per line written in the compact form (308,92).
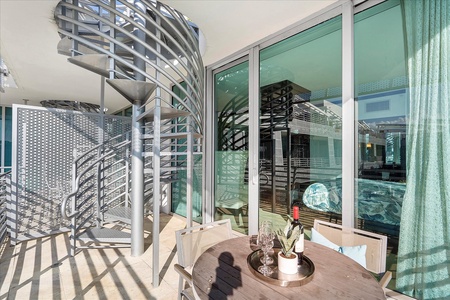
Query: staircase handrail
(76,187)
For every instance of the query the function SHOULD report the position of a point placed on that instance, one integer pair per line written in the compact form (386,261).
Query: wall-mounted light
(6,79)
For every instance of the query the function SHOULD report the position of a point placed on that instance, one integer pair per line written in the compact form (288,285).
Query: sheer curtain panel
(424,249)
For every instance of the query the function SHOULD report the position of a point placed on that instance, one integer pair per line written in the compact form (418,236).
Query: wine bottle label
(300,244)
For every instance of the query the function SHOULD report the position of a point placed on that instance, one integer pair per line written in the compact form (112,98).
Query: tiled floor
(42,269)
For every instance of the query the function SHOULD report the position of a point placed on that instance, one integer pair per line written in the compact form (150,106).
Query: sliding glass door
(231,102)
(382,94)
(300,125)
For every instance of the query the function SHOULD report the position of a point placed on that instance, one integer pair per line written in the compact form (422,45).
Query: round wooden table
(221,272)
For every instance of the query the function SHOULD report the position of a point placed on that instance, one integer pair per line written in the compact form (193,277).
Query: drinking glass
(266,258)
(265,241)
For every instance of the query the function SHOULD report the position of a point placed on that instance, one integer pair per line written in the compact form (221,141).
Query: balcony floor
(42,269)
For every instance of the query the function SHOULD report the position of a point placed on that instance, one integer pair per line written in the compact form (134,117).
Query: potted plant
(287,259)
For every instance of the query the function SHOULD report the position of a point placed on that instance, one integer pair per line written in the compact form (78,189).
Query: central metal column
(137,160)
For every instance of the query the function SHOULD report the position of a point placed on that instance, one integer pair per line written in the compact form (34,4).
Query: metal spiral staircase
(145,50)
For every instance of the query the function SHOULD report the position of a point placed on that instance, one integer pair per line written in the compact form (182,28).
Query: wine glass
(265,240)
(266,258)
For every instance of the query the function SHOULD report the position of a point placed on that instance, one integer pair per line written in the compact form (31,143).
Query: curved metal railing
(109,28)
(86,169)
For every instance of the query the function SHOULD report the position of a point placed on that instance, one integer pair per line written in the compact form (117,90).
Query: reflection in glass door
(301,125)
(231,145)
(382,94)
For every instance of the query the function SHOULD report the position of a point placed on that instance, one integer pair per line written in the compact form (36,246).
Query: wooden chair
(350,237)
(191,243)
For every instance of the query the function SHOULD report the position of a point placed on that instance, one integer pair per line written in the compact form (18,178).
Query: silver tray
(305,271)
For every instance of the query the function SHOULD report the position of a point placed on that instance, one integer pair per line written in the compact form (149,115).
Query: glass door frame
(345,8)
(211,138)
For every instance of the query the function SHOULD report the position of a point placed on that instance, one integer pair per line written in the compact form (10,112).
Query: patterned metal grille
(45,144)
(4,189)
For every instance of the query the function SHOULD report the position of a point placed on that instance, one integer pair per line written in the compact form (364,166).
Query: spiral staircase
(145,50)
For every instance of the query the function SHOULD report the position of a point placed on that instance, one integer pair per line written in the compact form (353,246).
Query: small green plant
(288,238)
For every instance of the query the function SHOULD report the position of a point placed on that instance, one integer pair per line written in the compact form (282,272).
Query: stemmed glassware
(265,241)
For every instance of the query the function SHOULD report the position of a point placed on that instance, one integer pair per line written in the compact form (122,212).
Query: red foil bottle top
(295,213)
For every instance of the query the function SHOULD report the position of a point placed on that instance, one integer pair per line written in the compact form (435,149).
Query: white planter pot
(287,265)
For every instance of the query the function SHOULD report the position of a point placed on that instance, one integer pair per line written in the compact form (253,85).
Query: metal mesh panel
(47,140)
(4,189)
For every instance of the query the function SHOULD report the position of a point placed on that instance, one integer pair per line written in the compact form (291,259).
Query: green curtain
(423,265)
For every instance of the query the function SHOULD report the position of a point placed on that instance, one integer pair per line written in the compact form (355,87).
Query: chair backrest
(346,236)
(193,241)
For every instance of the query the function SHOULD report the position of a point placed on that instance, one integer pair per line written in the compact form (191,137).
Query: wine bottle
(300,245)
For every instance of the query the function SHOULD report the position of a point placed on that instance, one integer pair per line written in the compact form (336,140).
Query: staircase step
(165,169)
(163,180)
(120,213)
(133,90)
(65,47)
(177,135)
(97,63)
(166,113)
(105,235)
(150,154)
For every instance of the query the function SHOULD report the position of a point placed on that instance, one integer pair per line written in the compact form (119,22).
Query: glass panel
(231,155)
(8,137)
(381,94)
(300,125)
(179,186)
(128,112)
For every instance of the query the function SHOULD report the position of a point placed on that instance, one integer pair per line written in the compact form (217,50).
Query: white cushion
(357,253)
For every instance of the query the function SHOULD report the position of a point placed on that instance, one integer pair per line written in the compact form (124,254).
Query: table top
(221,272)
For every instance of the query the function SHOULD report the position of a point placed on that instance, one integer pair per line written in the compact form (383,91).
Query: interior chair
(191,243)
(351,240)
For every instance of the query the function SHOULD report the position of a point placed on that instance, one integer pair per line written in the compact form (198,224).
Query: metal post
(254,143)
(137,186)
(101,138)
(137,161)
(348,122)
(156,162)
(289,178)
(156,185)
(73,221)
(127,174)
(189,174)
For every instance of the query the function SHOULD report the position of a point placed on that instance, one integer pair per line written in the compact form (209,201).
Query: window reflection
(301,123)
(231,155)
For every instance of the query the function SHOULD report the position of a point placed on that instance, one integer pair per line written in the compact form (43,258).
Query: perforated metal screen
(44,143)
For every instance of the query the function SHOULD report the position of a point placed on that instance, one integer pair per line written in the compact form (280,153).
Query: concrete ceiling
(28,40)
